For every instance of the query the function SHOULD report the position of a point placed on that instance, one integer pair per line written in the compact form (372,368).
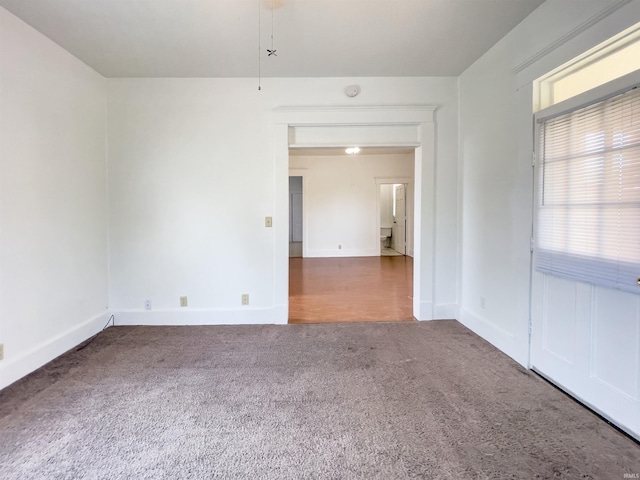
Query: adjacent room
(319,239)
(354,257)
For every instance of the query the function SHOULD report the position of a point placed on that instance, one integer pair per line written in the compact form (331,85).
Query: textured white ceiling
(313,38)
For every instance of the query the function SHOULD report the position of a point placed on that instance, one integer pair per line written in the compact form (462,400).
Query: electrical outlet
(268,221)
(183,301)
(339,247)
(245,299)
(482,303)
(1,351)
(147,304)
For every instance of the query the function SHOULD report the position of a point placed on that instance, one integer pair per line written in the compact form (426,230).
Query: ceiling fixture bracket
(352,90)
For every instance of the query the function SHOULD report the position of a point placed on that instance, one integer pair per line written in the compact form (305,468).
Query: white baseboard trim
(240,316)
(342,253)
(446,311)
(424,310)
(516,348)
(428,311)
(13,369)
(281,314)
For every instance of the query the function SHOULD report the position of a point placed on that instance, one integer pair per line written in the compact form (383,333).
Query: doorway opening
(395,212)
(340,273)
(409,126)
(295,216)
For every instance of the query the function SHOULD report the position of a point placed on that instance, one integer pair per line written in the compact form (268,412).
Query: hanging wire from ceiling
(271,52)
(259,48)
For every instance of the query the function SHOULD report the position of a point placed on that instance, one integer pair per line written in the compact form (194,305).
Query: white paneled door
(399,230)
(586,340)
(585,304)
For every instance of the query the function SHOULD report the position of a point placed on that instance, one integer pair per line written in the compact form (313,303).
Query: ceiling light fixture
(352,150)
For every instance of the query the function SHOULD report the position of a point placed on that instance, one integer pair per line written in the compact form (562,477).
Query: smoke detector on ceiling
(352,90)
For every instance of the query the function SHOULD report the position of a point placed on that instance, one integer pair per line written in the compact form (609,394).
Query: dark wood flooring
(359,289)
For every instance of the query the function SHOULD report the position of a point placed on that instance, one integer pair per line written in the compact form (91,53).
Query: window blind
(588,219)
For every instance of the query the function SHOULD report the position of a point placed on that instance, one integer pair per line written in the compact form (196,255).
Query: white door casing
(392,126)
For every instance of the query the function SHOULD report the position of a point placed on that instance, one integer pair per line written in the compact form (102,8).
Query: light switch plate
(268,221)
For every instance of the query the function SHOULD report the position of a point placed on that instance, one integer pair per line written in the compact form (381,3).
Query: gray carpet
(340,401)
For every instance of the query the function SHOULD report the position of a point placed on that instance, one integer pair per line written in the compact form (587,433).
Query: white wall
(386,205)
(192,176)
(496,141)
(53,213)
(340,196)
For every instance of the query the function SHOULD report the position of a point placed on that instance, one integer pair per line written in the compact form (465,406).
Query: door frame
(414,126)
(408,181)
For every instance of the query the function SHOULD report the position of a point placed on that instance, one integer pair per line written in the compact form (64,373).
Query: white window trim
(543,86)
(598,94)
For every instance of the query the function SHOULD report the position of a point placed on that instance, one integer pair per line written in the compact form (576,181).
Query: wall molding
(14,368)
(511,345)
(331,253)
(422,118)
(392,180)
(569,35)
(292,114)
(446,311)
(424,310)
(192,316)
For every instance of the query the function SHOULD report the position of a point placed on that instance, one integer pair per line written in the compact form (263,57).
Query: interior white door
(399,230)
(586,340)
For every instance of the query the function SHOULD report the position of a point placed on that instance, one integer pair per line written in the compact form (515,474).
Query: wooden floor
(361,289)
